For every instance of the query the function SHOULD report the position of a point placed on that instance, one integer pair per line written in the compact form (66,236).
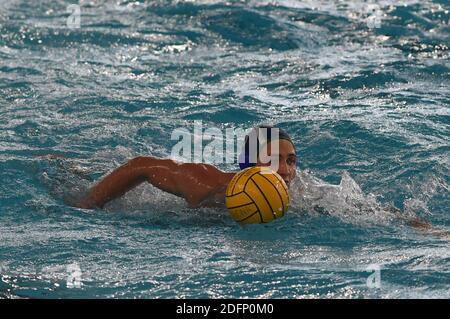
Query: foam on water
(346,201)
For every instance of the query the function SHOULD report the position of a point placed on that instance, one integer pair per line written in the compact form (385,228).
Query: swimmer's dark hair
(244,157)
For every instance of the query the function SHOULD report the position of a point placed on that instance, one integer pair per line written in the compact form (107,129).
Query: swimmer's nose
(284,172)
(282,168)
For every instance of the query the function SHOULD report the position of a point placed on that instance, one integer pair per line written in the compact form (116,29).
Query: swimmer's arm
(193,182)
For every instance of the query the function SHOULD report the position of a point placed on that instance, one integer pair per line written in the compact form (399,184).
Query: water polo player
(198,183)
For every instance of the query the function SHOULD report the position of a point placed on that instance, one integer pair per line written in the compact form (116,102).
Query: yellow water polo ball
(257,195)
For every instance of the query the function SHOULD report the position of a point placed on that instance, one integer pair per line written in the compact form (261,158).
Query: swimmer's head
(260,141)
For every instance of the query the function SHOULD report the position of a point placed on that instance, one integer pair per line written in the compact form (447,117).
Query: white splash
(346,201)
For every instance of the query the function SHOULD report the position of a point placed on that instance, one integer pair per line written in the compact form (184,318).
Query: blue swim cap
(244,157)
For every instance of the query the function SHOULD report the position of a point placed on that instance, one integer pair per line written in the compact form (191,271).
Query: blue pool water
(362,87)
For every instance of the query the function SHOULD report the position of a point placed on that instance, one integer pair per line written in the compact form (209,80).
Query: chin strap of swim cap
(244,156)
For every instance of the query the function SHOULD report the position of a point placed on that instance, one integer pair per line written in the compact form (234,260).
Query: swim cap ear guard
(244,161)
(244,156)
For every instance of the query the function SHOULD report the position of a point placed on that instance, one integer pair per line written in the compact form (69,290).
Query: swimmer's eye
(291,161)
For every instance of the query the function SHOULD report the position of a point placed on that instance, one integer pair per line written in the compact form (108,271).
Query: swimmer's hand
(85,204)
(420,224)
(427,228)
(193,182)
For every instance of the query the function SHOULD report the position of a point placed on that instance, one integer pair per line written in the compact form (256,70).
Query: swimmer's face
(287,160)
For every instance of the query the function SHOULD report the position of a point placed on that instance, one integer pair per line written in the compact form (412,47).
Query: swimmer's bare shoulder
(199,184)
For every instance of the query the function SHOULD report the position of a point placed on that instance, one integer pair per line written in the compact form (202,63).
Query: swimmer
(204,185)
(201,185)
